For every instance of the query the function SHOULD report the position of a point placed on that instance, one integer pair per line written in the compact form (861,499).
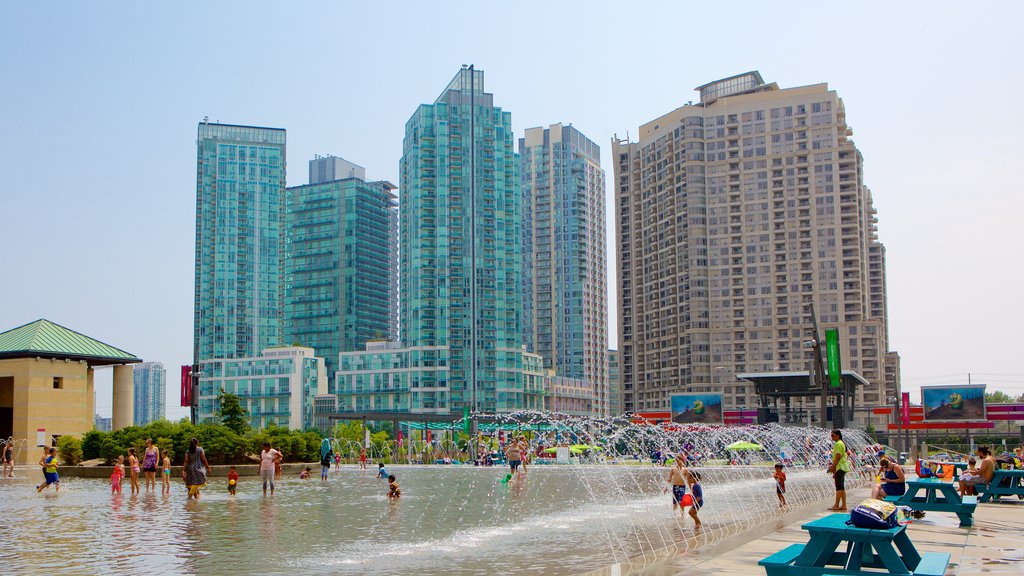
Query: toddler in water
(304,475)
(382,472)
(232,481)
(117,475)
(780,484)
(393,490)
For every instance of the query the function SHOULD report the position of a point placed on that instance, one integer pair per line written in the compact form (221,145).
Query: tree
(70,449)
(998,397)
(232,414)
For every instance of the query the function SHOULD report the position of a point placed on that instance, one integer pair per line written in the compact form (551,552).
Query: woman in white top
(268,457)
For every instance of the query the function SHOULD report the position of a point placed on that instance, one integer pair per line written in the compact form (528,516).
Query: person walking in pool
(150,460)
(514,455)
(165,472)
(196,468)
(50,465)
(696,496)
(8,457)
(133,465)
(677,482)
(269,460)
(780,484)
(838,468)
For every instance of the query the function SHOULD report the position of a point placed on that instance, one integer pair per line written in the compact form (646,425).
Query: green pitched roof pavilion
(45,339)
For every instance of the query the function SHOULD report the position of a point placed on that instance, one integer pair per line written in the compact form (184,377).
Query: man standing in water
(514,455)
(839,467)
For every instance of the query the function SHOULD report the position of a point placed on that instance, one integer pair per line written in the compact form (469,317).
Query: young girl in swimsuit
(116,476)
(133,462)
(166,473)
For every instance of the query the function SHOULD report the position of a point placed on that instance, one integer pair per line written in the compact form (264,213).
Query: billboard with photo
(953,403)
(697,408)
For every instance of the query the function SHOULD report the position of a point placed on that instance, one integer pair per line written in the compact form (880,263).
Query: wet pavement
(994,545)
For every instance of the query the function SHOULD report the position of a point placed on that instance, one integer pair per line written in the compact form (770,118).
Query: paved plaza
(994,545)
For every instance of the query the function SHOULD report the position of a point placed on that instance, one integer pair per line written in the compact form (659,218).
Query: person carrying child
(780,484)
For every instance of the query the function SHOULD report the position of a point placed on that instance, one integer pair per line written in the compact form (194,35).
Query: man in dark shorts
(677,480)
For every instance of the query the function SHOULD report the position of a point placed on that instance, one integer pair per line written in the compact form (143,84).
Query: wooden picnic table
(993,490)
(939,496)
(889,549)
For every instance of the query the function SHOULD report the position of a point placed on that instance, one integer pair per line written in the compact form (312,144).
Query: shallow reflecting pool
(454,519)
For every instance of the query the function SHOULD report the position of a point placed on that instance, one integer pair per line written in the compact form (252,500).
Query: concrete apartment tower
(150,392)
(565,303)
(341,261)
(240,182)
(732,216)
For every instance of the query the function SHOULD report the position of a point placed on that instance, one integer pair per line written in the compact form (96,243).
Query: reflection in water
(454,519)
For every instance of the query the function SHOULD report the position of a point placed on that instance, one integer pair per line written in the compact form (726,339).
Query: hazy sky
(99,104)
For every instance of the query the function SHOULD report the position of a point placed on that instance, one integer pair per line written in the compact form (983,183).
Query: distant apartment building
(614,384)
(460,264)
(279,386)
(341,261)
(240,184)
(565,308)
(571,396)
(102,424)
(149,393)
(733,215)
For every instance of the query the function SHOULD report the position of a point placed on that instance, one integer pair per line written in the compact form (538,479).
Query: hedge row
(221,444)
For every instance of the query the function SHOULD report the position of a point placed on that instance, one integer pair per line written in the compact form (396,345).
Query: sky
(99,104)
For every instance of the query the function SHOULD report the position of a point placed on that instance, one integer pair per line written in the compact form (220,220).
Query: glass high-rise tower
(565,316)
(341,265)
(460,262)
(149,392)
(240,182)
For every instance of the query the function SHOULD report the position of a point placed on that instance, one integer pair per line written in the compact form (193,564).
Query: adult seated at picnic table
(893,481)
(981,476)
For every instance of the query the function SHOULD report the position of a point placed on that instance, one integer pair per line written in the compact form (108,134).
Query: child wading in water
(117,475)
(780,484)
(677,480)
(133,462)
(166,473)
(232,481)
(50,465)
(393,490)
(697,495)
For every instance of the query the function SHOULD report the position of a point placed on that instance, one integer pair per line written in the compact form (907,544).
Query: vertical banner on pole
(465,419)
(186,386)
(905,408)
(835,371)
(366,439)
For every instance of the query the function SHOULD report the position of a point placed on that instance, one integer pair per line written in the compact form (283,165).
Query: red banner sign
(905,408)
(186,385)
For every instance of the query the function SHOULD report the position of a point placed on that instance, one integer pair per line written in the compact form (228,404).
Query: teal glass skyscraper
(564,264)
(341,262)
(240,182)
(461,294)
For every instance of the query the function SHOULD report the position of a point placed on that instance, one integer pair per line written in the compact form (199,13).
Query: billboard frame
(984,404)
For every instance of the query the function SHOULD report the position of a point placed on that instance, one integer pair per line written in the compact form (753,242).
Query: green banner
(465,419)
(835,372)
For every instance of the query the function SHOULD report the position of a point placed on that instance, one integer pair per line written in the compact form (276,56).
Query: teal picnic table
(1004,483)
(889,549)
(938,496)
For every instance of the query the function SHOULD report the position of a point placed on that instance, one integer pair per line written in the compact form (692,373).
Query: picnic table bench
(939,496)
(889,549)
(1014,480)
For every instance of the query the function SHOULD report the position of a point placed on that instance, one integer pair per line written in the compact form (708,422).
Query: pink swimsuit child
(115,480)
